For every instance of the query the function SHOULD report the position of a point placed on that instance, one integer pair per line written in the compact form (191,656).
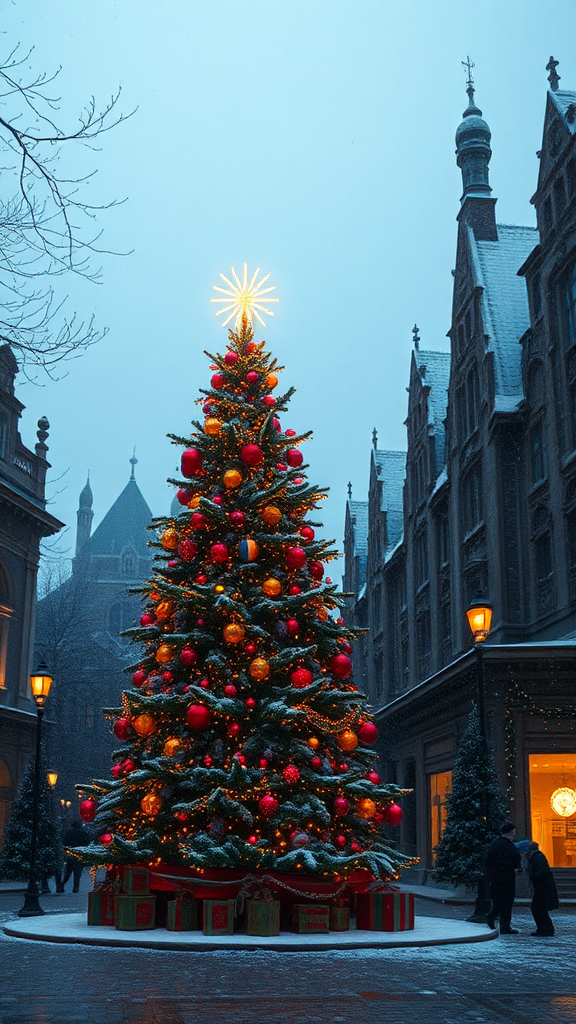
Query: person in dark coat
(545,895)
(75,836)
(502,863)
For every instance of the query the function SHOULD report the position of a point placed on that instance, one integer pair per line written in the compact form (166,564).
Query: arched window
(129,561)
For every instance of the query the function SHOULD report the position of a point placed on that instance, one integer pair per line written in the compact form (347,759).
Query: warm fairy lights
(243,299)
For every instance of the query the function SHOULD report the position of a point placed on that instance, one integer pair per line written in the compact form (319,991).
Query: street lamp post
(479,615)
(40,683)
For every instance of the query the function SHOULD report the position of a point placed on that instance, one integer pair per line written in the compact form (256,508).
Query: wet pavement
(515,979)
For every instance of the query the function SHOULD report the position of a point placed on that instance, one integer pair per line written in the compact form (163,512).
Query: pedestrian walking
(544,892)
(75,836)
(502,863)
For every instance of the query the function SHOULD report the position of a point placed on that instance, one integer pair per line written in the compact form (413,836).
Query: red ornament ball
(181,816)
(240,758)
(231,358)
(87,810)
(343,767)
(217,381)
(204,684)
(106,839)
(234,729)
(207,760)
(250,648)
(294,458)
(139,678)
(122,729)
(252,377)
(368,733)
(197,521)
(183,496)
(250,347)
(393,814)
(147,619)
(200,579)
(237,518)
(251,455)
(250,703)
(295,558)
(252,840)
(293,627)
(172,563)
(316,762)
(355,847)
(217,499)
(316,570)
(269,400)
(198,717)
(290,433)
(219,553)
(340,842)
(230,690)
(373,777)
(291,774)
(340,666)
(128,765)
(188,657)
(300,678)
(268,805)
(294,589)
(307,533)
(191,462)
(116,769)
(187,550)
(168,676)
(263,763)
(341,806)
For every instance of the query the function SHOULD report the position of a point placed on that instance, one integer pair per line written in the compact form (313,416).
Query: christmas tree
(15,856)
(476,809)
(247,744)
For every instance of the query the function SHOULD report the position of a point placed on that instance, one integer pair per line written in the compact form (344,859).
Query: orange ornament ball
(144,725)
(259,669)
(164,653)
(154,595)
(365,809)
(164,610)
(271,380)
(212,426)
(314,742)
(234,633)
(151,804)
(271,515)
(172,746)
(272,587)
(169,539)
(194,501)
(347,740)
(232,478)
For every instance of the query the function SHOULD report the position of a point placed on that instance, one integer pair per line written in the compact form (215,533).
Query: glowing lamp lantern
(234,632)
(144,724)
(563,802)
(87,809)
(295,558)
(232,478)
(479,615)
(212,426)
(272,587)
(251,455)
(365,809)
(294,458)
(340,666)
(301,678)
(169,539)
(259,669)
(248,550)
(347,740)
(52,778)
(368,733)
(191,462)
(164,653)
(271,515)
(40,683)
(151,804)
(393,814)
(219,553)
(187,550)
(198,717)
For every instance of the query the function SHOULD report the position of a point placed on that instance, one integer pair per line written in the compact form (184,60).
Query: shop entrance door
(553,807)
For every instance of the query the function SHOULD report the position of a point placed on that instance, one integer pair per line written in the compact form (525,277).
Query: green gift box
(391,911)
(182,915)
(101,908)
(339,919)
(218,917)
(263,917)
(309,919)
(136,881)
(134,913)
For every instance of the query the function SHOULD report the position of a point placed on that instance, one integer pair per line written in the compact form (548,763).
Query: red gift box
(136,881)
(310,919)
(101,907)
(385,911)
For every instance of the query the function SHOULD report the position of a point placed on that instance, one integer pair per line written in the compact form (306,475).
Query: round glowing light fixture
(479,615)
(563,801)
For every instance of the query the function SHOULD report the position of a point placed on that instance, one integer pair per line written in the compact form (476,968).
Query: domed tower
(84,517)
(473,154)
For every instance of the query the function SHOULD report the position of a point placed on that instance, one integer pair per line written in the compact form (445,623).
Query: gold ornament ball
(271,515)
(219,589)
(272,587)
(232,478)
(194,501)
(151,804)
(172,746)
(271,380)
(234,632)
(212,426)
(314,742)
(259,669)
(144,725)
(164,653)
(347,740)
(169,539)
(164,610)
(365,809)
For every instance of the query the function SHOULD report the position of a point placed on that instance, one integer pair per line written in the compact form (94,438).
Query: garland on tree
(15,856)
(246,743)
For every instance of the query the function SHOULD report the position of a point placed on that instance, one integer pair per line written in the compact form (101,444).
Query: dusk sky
(311,138)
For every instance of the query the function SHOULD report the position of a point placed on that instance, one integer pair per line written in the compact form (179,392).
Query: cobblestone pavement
(515,979)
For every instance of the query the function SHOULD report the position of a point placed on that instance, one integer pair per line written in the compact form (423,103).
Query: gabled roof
(390,469)
(504,300)
(565,102)
(357,522)
(125,523)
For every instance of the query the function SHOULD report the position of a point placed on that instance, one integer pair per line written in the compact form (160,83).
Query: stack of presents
(128,905)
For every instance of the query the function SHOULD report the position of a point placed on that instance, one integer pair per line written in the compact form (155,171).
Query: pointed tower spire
(416,336)
(473,155)
(84,517)
(349,491)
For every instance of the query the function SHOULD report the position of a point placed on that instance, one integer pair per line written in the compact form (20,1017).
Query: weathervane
(243,299)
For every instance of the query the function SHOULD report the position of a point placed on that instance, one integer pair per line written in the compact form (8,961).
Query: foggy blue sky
(312,138)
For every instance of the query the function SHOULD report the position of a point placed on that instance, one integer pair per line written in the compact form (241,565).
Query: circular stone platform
(428,931)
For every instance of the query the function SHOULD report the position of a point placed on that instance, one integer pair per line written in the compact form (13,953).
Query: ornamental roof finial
(416,333)
(553,77)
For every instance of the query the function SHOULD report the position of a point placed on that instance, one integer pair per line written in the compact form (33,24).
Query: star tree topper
(243,299)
